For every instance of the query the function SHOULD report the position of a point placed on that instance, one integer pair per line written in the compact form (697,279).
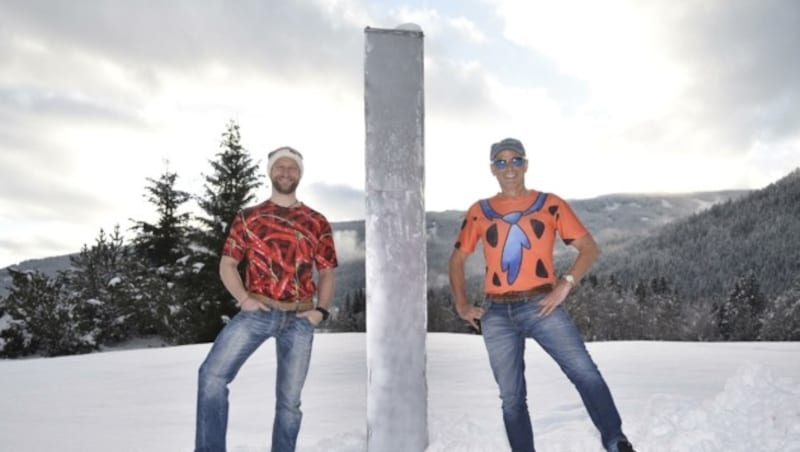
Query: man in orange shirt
(282,240)
(523,295)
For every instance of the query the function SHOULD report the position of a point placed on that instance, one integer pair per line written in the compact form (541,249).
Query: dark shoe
(624,446)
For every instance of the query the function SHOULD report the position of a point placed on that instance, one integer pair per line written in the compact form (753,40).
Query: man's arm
(458,285)
(325,288)
(587,253)
(229,274)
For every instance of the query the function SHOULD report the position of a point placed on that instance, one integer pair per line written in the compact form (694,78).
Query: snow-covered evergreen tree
(739,317)
(40,319)
(782,319)
(99,285)
(165,241)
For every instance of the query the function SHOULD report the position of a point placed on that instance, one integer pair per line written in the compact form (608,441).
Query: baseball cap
(510,144)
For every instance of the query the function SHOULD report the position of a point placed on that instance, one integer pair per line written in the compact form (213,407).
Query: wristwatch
(570,280)
(324,312)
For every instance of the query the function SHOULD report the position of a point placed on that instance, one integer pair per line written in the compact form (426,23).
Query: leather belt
(509,297)
(299,305)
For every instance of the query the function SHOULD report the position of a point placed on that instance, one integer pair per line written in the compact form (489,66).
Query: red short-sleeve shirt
(282,245)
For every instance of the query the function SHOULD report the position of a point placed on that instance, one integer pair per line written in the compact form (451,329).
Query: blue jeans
(505,327)
(234,344)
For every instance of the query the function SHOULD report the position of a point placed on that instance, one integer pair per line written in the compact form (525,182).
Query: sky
(608,97)
(672,396)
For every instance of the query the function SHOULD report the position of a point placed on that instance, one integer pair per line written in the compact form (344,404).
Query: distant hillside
(704,254)
(48,265)
(613,219)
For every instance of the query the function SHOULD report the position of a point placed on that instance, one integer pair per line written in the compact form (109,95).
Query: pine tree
(740,317)
(666,311)
(166,241)
(99,285)
(782,319)
(229,188)
(442,316)
(164,294)
(41,319)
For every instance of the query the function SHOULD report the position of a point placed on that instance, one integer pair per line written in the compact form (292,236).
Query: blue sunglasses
(503,164)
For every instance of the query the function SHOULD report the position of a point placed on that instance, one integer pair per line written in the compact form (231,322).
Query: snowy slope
(672,396)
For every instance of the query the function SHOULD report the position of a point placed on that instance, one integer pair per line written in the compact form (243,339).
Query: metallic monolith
(396,264)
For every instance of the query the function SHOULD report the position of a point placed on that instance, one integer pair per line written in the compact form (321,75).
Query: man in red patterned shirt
(282,241)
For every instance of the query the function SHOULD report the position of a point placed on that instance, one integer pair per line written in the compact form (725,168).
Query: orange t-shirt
(518,237)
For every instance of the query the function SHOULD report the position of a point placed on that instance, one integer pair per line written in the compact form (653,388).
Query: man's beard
(285,191)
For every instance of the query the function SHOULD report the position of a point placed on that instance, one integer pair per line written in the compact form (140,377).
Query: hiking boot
(624,446)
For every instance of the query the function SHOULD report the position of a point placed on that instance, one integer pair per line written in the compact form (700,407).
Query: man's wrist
(324,312)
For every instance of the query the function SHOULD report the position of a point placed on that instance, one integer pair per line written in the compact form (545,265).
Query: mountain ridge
(613,220)
(704,253)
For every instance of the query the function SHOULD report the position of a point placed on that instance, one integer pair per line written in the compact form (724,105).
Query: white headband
(284,152)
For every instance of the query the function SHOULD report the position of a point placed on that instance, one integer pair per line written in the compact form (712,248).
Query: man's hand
(250,304)
(557,296)
(470,314)
(313,316)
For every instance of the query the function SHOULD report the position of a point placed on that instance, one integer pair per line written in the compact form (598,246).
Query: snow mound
(755,411)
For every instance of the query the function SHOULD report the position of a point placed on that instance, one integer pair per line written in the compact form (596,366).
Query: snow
(672,396)
(5,321)
(409,27)
(703,205)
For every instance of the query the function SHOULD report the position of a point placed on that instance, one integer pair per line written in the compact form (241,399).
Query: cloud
(702,76)
(94,94)
(22,102)
(468,29)
(288,39)
(336,202)
(744,68)
(349,248)
(36,196)
(33,246)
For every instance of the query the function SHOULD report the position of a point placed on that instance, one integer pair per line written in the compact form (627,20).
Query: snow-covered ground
(672,396)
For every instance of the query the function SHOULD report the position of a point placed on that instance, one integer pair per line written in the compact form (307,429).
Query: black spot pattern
(463,223)
(458,245)
(491,236)
(541,270)
(568,241)
(538,228)
(553,210)
(496,280)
